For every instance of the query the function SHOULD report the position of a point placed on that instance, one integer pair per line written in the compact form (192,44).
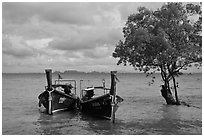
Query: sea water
(143,110)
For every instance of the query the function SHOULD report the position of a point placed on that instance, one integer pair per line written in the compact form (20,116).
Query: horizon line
(56,72)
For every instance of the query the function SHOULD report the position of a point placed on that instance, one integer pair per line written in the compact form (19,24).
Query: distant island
(77,72)
(91,72)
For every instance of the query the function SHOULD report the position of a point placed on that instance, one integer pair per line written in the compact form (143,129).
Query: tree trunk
(175,88)
(166,93)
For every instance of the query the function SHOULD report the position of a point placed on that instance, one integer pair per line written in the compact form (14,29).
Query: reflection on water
(170,120)
(74,123)
(167,120)
(58,123)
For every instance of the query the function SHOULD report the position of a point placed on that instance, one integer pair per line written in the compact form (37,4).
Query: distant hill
(78,72)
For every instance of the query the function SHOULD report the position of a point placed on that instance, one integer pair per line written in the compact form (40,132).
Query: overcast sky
(64,36)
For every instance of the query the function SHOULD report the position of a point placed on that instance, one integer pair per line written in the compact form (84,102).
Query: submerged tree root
(166,94)
(184,103)
(188,105)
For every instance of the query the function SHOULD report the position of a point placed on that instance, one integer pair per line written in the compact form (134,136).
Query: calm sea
(143,110)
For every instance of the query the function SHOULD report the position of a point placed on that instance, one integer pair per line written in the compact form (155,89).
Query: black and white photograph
(102,68)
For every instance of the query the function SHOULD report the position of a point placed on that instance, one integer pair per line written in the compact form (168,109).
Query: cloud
(98,52)
(86,38)
(60,35)
(70,13)
(16,47)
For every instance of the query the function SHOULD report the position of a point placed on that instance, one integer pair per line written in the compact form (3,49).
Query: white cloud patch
(16,46)
(98,52)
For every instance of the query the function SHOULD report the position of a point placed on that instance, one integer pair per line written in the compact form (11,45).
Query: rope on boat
(113,105)
(50,101)
(113,95)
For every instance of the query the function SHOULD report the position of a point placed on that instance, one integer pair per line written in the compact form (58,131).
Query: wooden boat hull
(57,101)
(99,106)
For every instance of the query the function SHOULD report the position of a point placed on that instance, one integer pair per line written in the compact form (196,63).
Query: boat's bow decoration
(104,105)
(58,96)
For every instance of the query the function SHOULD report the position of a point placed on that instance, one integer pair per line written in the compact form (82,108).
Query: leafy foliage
(163,37)
(166,40)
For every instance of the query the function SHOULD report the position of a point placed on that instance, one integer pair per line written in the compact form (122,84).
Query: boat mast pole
(104,85)
(81,92)
(49,88)
(113,94)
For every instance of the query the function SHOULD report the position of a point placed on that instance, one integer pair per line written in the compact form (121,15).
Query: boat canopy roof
(88,89)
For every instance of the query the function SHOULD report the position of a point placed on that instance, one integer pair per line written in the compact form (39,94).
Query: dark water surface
(143,110)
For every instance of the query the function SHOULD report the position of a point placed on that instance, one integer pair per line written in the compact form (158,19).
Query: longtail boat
(59,96)
(105,105)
